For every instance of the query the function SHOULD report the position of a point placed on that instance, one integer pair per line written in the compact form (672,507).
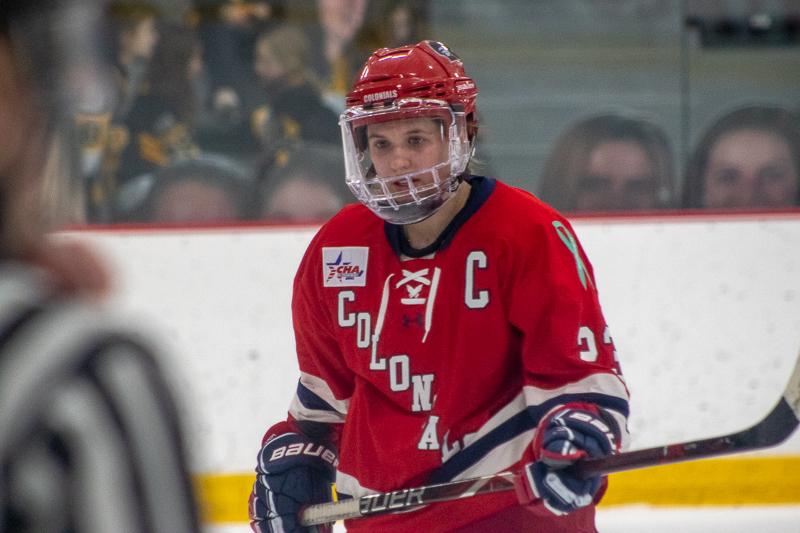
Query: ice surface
(635,519)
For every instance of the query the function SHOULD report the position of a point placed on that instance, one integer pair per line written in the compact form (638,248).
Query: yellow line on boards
(730,481)
(223,497)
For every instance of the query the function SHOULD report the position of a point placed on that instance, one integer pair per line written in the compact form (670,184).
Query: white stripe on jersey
(347,484)
(43,352)
(319,387)
(601,383)
(511,451)
(157,460)
(501,457)
(102,464)
(508,453)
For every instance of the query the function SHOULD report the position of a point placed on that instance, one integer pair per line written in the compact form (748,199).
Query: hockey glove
(564,437)
(292,471)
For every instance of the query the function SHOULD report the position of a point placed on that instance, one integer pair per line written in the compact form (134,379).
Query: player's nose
(400,161)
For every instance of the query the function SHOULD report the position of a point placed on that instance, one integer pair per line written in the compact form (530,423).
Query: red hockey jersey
(440,367)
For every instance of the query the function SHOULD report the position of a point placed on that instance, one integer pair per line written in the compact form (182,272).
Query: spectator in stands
(207,189)
(161,121)
(132,34)
(90,438)
(609,162)
(135,34)
(293,108)
(228,30)
(333,28)
(750,157)
(400,22)
(302,184)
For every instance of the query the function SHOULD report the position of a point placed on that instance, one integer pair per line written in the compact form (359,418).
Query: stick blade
(781,422)
(792,393)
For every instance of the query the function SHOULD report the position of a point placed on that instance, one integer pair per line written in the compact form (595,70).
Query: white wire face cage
(414,196)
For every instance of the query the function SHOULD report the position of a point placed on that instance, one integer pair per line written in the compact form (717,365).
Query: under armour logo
(418,320)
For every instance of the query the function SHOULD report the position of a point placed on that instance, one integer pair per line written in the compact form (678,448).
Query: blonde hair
(291,49)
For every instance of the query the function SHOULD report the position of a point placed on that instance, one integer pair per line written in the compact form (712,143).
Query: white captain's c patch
(344,266)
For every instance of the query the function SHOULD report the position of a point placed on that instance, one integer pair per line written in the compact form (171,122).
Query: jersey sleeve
(326,383)
(568,353)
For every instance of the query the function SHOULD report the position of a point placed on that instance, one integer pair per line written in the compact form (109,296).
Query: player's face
(266,64)
(301,199)
(191,201)
(404,146)
(750,168)
(619,176)
(142,39)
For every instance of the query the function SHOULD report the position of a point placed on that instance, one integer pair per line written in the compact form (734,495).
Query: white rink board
(705,314)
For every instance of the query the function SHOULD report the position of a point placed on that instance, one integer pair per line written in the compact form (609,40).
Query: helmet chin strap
(456,183)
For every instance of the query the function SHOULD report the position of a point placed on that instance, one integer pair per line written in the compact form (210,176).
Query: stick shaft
(389,502)
(773,429)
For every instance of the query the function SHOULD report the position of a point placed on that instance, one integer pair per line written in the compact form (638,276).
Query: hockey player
(447,327)
(89,434)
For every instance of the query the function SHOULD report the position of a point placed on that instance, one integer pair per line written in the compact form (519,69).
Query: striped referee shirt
(89,433)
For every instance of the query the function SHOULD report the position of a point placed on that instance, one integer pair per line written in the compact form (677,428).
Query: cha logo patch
(344,266)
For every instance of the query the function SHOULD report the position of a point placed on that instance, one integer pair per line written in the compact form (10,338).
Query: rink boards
(705,313)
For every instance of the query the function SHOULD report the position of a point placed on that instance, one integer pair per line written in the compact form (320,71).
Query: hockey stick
(770,431)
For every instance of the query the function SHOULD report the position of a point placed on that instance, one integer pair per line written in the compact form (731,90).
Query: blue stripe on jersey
(310,400)
(516,425)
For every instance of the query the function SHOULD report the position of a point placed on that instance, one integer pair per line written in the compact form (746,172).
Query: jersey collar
(482,188)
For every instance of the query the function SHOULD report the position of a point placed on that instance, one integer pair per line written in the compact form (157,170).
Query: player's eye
(379,144)
(417,140)
(639,186)
(774,175)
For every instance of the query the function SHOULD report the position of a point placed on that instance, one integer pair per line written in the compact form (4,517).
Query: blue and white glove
(293,471)
(564,437)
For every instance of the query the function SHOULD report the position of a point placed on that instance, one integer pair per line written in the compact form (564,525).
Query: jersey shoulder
(517,215)
(349,231)
(522,207)
(353,224)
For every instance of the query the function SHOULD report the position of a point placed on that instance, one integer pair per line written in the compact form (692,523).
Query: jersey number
(588,344)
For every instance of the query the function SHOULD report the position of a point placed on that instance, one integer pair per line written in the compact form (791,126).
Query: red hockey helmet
(427,70)
(425,80)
